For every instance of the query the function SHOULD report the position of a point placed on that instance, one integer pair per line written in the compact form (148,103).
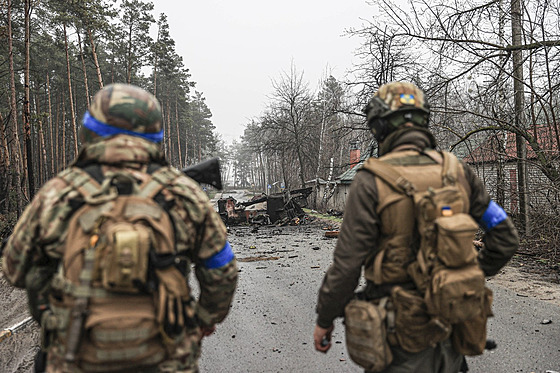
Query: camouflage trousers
(183,359)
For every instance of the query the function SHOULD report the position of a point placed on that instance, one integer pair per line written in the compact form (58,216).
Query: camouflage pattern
(397,96)
(128,107)
(39,235)
(184,359)
(121,149)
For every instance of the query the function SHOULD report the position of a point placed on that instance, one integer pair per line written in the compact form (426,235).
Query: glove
(173,309)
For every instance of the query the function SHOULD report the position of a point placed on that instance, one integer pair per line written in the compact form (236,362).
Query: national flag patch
(407,99)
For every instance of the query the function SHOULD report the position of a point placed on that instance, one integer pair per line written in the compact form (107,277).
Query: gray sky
(234,48)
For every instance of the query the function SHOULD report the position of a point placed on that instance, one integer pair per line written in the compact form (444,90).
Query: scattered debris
(546,321)
(257,258)
(331,234)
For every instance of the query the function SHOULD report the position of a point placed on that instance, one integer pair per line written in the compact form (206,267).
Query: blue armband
(221,258)
(493,216)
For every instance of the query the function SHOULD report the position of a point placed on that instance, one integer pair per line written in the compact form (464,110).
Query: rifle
(206,172)
(8,332)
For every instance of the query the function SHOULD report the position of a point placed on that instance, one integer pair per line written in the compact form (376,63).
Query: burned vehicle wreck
(280,208)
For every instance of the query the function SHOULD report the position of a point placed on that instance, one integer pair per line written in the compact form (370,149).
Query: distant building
(331,195)
(486,160)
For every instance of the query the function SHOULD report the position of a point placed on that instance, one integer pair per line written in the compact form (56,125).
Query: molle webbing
(80,180)
(384,169)
(159,179)
(387,169)
(152,360)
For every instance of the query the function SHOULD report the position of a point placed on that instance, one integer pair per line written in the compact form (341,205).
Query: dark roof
(488,152)
(347,176)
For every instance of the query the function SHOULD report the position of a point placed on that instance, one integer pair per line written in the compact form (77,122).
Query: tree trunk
(84,69)
(169,143)
(63,139)
(4,182)
(11,132)
(519,120)
(178,133)
(129,56)
(26,105)
(95,61)
(50,122)
(70,96)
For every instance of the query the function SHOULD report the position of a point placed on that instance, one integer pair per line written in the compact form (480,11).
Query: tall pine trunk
(178,133)
(70,96)
(12,137)
(26,105)
(84,69)
(49,101)
(95,61)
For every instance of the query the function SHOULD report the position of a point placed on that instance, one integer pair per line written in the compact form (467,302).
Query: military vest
(399,241)
(120,299)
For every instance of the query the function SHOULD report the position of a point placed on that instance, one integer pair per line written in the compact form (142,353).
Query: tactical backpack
(119,300)
(450,297)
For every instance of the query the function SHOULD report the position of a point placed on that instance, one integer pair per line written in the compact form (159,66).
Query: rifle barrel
(8,332)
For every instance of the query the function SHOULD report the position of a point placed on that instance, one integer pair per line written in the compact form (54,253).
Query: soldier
(378,234)
(105,248)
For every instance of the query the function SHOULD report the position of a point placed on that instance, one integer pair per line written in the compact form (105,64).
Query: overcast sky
(234,48)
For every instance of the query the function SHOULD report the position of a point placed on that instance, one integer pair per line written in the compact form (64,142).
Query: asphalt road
(271,322)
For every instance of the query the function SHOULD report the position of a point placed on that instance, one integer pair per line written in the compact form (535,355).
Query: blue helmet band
(104,130)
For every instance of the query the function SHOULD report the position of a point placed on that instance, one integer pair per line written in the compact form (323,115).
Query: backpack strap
(81,181)
(390,175)
(450,169)
(158,180)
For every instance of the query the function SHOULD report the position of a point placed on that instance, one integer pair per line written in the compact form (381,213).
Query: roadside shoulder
(527,284)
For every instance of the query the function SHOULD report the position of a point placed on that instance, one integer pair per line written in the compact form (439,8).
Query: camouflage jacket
(35,245)
(360,235)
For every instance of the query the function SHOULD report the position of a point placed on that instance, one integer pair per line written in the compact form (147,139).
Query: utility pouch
(455,235)
(125,264)
(366,334)
(415,329)
(469,337)
(456,294)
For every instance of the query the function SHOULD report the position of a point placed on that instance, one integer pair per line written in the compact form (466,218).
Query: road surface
(271,322)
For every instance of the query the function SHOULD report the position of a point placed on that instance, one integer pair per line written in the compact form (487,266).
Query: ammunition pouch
(415,328)
(469,337)
(366,334)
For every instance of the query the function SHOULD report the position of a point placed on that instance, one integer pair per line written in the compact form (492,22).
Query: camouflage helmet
(393,105)
(124,109)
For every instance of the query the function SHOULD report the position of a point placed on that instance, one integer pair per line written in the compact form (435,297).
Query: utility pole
(519,114)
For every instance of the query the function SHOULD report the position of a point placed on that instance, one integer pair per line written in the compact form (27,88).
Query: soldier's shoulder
(183,186)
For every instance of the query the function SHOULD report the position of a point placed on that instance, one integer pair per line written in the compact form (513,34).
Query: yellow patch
(407,99)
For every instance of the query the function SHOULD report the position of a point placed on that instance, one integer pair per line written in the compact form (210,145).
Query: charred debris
(280,209)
